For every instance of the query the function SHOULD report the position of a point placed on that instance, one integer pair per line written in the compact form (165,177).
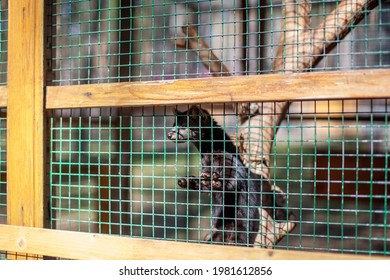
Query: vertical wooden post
(25,110)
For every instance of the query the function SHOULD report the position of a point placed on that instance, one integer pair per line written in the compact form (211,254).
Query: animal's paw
(217,184)
(190,183)
(205,179)
(182,182)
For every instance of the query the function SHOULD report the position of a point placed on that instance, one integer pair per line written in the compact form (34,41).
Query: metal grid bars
(3,132)
(3,41)
(112,41)
(334,158)
(91,156)
(3,168)
(366,46)
(84,41)
(118,173)
(85,148)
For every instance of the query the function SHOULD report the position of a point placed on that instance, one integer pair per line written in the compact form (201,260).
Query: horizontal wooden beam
(77,245)
(270,87)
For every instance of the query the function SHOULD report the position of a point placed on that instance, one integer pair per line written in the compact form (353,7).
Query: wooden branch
(335,27)
(257,144)
(192,41)
(300,49)
(296,24)
(78,245)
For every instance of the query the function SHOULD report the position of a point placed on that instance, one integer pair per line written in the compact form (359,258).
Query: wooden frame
(101,246)
(272,87)
(26,114)
(27,99)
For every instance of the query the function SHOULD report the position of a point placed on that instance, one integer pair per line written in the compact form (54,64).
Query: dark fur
(235,191)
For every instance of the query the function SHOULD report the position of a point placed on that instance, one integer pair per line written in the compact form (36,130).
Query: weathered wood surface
(77,245)
(25,114)
(272,87)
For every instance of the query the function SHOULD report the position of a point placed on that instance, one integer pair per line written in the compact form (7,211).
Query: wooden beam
(78,245)
(3,96)
(257,88)
(25,113)
(333,85)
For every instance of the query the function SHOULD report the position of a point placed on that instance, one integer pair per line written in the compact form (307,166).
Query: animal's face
(189,124)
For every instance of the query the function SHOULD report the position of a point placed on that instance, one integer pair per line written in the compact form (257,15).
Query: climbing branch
(337,25)
(300,49)
(192,41)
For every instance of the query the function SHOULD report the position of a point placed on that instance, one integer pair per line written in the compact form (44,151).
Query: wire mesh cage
(3,42)
(3,79)
(307,175)
(330,158)
(3,133)
(3,180)
(101,41)
(115,170)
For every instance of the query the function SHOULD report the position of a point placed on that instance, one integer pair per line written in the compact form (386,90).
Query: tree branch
(192,41)
(336,26)
(300,49)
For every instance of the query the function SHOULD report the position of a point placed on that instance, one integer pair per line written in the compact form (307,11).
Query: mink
(235,190)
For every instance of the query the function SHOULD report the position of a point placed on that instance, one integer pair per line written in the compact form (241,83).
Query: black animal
(235,191)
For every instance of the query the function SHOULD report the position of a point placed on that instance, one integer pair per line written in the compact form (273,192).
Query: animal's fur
(235,190)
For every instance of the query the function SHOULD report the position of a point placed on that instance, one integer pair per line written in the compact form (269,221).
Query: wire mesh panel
(107,162)
(330,159)
(109,41)
(3,133)
(84,151)
(3,41)
(334,156)
(319,184)
(3,168)
(91,162)
(3,178)
(366,46)
(84,40)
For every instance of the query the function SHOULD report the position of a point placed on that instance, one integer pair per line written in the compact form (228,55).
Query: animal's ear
(177,112)
(194,111)
(205,115)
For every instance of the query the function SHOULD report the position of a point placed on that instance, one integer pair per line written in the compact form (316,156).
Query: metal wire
(3,41)
(330,157)
(110,41)
(3,168)
(3,132)
(336,171)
